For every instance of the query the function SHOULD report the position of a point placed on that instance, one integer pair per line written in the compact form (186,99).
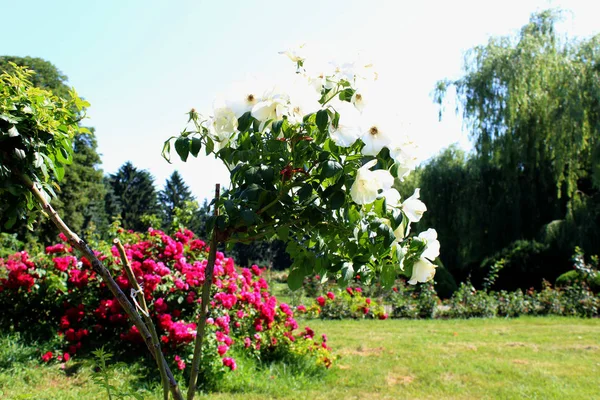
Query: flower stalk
(208,277)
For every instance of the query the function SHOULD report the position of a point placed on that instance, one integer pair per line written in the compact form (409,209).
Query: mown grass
(525,358)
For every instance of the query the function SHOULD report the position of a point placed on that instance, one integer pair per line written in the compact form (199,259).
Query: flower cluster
(350,303)
(244,317)
(314,165)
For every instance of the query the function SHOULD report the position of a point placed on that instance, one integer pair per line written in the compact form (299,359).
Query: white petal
(432,248)
(414,208)
(392,197)
(423,271)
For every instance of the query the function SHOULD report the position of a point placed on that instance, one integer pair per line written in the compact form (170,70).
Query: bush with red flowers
(58,298)
(349,303)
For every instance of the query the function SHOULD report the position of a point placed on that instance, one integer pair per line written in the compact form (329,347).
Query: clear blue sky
(144,64)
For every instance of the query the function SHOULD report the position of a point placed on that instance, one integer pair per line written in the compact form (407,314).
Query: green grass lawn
(525,358)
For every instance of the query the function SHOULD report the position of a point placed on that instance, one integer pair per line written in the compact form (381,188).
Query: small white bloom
(404,152)
(243,103)
(366,187)
(273,106)
(295,54)
(223,126)
(359,99)
(414,208)
(348,129)
(346,71)
(392,198)
(423,271)
(432,245)
(376,136)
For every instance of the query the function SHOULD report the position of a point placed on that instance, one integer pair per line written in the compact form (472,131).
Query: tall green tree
(136,194)
(531,104)
(174,195)
(81,194)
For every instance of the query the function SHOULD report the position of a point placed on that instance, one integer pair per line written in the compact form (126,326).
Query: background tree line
(528,192)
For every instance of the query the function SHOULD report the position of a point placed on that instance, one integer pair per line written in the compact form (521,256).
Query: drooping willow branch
(74,240)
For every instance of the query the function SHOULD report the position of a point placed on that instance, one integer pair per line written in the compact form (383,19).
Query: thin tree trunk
(101,270)
(139,292)
(208,277)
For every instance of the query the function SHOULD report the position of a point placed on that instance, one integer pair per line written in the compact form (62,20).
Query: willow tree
(531,104)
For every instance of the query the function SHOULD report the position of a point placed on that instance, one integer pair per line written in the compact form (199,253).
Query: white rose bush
(320,181)
(315,170)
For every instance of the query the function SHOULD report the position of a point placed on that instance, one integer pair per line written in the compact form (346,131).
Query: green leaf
(322,120)
(248,216)
(295,279)
(347,273)
(331,168)
(210,145)
(182,147)
(267,174)
(304,192)
(346,94)
(276,127)
(59,170)
(283,233)
(353,215)
(195,146)
(244,121)
(166,150)
(388,275)
(337,200)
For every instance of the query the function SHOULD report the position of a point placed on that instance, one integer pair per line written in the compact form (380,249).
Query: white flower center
(374,131)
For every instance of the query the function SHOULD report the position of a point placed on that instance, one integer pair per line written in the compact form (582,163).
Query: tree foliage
(134,190)
(37,129)
(531,104)
(81,195)
(174,195)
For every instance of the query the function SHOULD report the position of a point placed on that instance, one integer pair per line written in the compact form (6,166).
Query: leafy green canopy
(81,197)
(37,130)
(533,102)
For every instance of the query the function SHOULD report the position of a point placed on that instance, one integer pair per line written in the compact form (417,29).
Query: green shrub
(526,265)
(513,304)
(412,302)
(467,302)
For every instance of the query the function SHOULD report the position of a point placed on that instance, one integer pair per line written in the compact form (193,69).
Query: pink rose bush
(58,296)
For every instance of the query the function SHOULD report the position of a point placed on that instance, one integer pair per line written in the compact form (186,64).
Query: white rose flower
(366,187)
(414,208)
(223,126)
(243,103)
(273,106)
(404,153)
(432,245)
(348,129)
(392,198)
(376,136)
(423,271)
